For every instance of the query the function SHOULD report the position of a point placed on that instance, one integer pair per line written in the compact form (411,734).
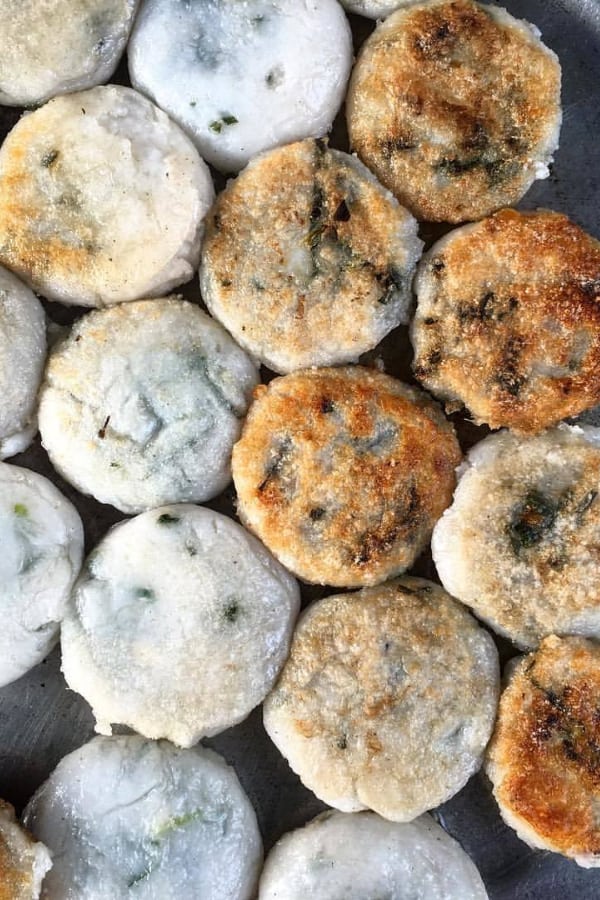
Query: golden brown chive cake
(354,857)
(307,259)
(387,700)
(455,107)
(508,320)
(520,542)
(102,199)
(23,861)
(544,758)
(343,473)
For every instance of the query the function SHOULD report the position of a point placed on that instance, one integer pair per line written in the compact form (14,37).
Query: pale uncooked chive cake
(141,404)
(455,106)
(127,817)
(508,320)
(50,47)
(41,537)
(362,855)
(102,199)
(22,357)
(243,77)
(387,700)
(343,473)
(307,260)
(519,542)
(179,624)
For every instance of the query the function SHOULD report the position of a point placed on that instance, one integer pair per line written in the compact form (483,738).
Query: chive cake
(41,537)
(543,759)
(508,320)
(306,259)
(455,106)
(387,700)
(243,77)
(102,199)
(519,544)
(22,357)
(142,403)
(126,817)
(343,473)
(178,625)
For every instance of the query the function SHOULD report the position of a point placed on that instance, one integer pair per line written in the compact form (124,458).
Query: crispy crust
(101,199)
(544,760)
(455,107)
(343,473)
(307,260)
(17,858)
(508,320)
(387,700)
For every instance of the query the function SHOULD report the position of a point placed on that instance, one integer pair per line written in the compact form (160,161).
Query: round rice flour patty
(307,260)
(142,403)
(519,544)
(128,817)
(50,47)
(41,537)
(543,759)
(23,861)
(373,9)
(22,355)
(343,473)
(455,106)
(508,320)
(178,625)
(353,857)
(387,700)
(102,199)
(243,77)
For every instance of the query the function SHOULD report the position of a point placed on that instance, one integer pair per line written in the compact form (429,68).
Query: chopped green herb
(145,594)
(167,519)
(20,510)
(231,611)
(226,119)
(531,521)
(191,549)
(316,514)
(49,158)
(192,102)
(115,465)
(179,822)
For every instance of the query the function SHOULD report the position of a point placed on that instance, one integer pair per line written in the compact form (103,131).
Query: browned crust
(348,230)
(24,247)
(451,108)
(343,473)
(15,883)
(516,295)
(546,749)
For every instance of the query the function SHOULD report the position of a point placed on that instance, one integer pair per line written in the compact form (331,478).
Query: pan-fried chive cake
(142,403)
(50,47)
(126,817)
(41,537)
(354,857)
(519,543)
(455,106)
(178,625)
(23,861)
(387,700)
(306,259)
(102,199)
(508,320)
(22,355)
(543,759)
(243,77)
(343,473)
